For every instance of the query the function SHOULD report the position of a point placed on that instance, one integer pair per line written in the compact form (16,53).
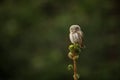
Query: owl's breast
(74,38)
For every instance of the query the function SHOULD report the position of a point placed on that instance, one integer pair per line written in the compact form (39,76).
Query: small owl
(76,35)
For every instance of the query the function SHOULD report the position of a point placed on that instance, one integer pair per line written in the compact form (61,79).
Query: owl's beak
(73,30)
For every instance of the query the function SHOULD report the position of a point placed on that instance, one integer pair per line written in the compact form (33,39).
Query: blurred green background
(34,39)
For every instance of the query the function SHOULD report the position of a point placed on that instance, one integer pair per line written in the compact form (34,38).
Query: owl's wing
(80,34)
(82,39)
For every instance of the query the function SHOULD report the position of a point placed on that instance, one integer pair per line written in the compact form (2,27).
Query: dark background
(34,39)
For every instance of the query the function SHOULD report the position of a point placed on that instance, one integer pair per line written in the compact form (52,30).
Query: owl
(76,35)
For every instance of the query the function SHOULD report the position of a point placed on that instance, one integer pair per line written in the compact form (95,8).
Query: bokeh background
(34,39)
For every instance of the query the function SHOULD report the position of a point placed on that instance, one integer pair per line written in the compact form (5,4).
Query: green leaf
(70,67)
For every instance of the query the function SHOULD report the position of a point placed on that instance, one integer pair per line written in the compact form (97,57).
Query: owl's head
(75,28)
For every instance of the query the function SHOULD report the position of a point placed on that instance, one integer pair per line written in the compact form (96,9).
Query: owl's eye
(77,28)
(72,28)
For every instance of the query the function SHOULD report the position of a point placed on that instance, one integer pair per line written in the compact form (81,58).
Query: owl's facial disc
(74,28)
(77,28)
